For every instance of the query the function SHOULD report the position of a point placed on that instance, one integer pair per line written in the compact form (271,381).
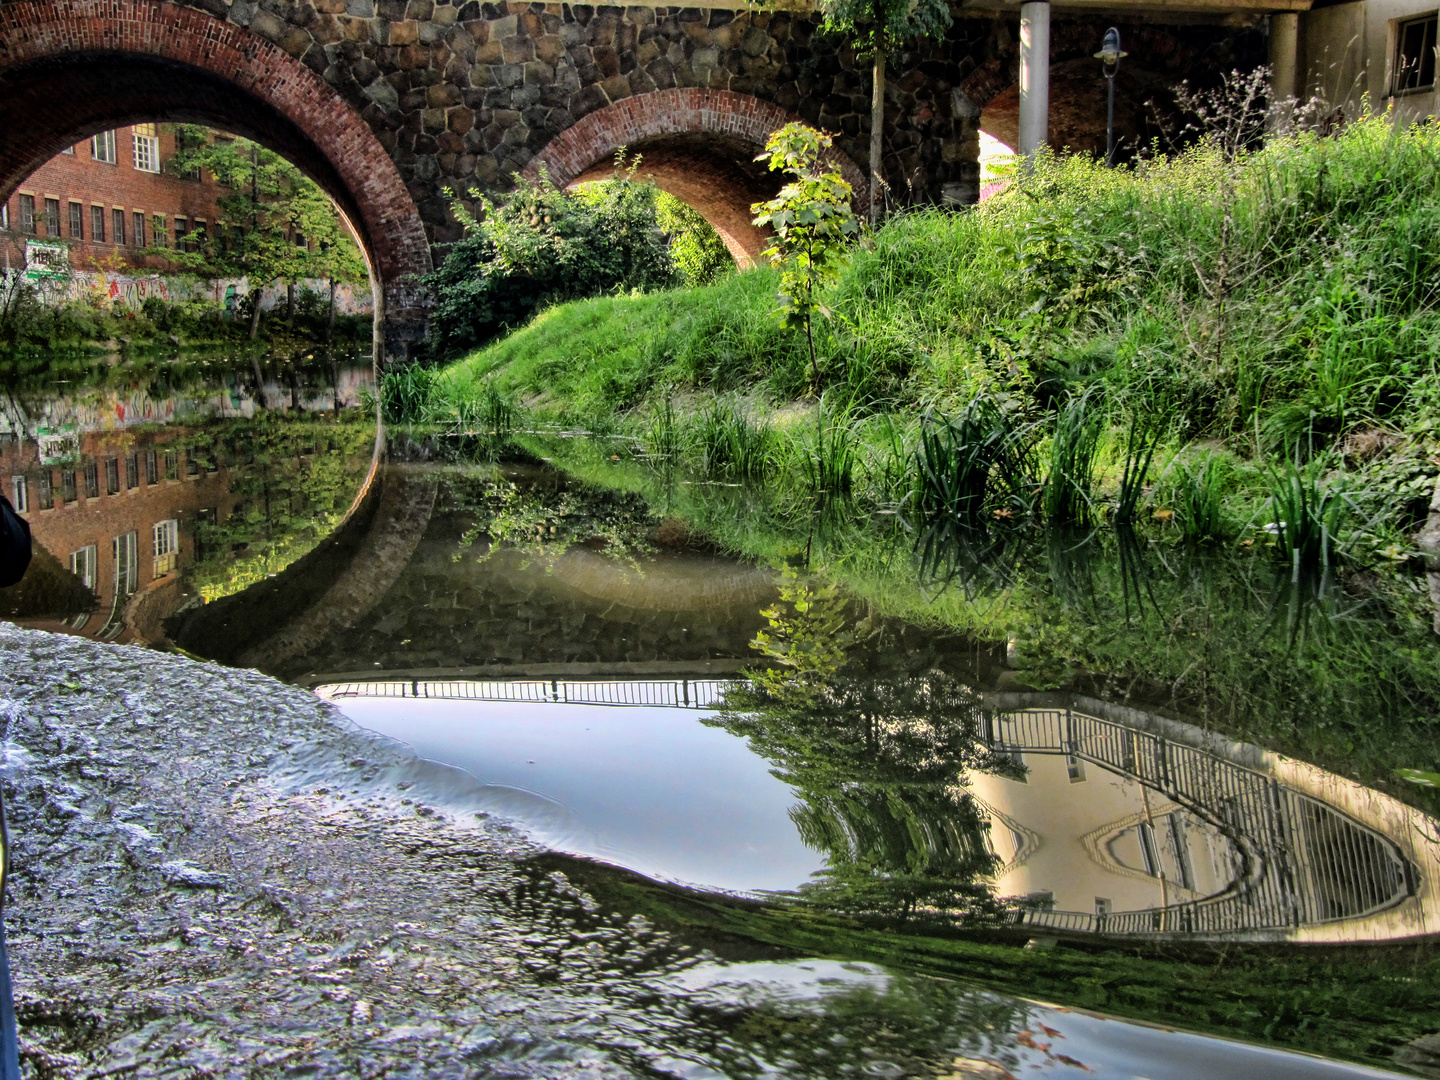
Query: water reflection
(145,497)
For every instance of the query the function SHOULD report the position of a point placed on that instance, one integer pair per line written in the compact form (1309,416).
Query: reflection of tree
(295,478)
(880,767)
(900,1025)
(542,520)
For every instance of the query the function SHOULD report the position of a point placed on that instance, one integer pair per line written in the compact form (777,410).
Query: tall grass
(1068,496)
(1198,491)
(732,445)
(829,459)
(1307,515)
(962,462)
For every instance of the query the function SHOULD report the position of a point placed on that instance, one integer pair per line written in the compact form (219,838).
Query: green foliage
(541,245)
(1308,513)
(1198,492)
(697,251)
(1069,484)
(267,209)
(959,459)
(813,225)
(732,445)
(828,460)
(806,634)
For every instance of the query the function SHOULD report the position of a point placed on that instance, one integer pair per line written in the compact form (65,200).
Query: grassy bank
(1276,307)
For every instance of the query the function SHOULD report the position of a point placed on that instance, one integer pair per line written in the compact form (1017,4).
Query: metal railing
(672,693)
(1303,862)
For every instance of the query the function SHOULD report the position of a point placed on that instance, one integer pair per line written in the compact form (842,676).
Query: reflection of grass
(1209,635)
(1357,1003)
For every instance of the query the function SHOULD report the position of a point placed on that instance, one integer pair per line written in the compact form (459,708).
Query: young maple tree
(813,224)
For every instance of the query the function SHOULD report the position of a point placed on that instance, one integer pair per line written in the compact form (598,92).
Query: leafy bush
(697,251)
(541,245)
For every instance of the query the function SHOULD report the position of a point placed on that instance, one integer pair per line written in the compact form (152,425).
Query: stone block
(434,120)
(505,27)
(360,9)
(460,119)
(509,75)
(490,53)
(536,73)
(420,10)
(522,97)
(518,49)
(607,61)
(442,95)
(616,88)
(549,49)
(405,32)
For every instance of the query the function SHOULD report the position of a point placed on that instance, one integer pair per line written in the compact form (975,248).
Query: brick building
(107,198)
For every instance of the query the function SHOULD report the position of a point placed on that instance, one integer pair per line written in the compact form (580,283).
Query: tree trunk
(330,322)
(255,314)
(259,382)
(877,130)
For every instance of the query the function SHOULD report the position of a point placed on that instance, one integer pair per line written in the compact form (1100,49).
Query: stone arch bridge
(387,103)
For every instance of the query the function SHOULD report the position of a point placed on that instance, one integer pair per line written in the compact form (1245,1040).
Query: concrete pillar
(1034,75)
(1284,49)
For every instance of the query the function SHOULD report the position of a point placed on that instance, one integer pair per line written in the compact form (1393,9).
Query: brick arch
(69,68)
(694,143)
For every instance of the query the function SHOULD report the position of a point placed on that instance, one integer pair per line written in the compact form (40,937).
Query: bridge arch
(697,144)
(72,68)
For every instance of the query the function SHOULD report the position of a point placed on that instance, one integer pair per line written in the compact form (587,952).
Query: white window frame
(166,539)
(19,495)
(147,148)
(84,564)
(102,148)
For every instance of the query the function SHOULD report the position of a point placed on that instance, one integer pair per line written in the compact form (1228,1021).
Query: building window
(69,150)
(1149,850)
(68,491)
(300,240)
(97,224)
(157,231)
(92,480)
(172,465)
(19,494)
(181,243)
(77,221)
(47,491)
(83,565)
(117,226)
(126,564)
(132,472)
(137,219)
(197,236)
(27,214)
(152,467)
(112,476)
(167,546)
(192,464)
(1075,769)
(1415,54)
(52,217)
(5,216)
(102,148)
(147,148)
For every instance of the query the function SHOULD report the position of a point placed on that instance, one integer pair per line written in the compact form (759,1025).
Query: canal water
(904,800)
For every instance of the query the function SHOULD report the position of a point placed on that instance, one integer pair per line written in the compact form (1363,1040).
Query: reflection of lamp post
(1109,57)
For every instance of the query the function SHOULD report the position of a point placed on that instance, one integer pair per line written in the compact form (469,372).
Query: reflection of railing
(1307,862)
(675,693)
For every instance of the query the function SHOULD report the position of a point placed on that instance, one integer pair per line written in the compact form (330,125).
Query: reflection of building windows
(77,221)
(92,480)
(52,217)
(19,494)
(167,546)
(67,485)
(97,224)
(102,148)
(132,472)
(1103,905)
(1182,850)
(112,476)
(47,494)
(127,564)
(137,221)
(1075,769)
(172,465)
(192,465)
(117,226)
(83,564)
(1415,55)
(152,467)
(27,214)
(147,147)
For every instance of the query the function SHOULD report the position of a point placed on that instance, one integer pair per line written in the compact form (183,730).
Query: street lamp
(1109,57)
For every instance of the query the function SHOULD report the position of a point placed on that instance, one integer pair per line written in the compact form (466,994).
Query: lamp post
(1109,57)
